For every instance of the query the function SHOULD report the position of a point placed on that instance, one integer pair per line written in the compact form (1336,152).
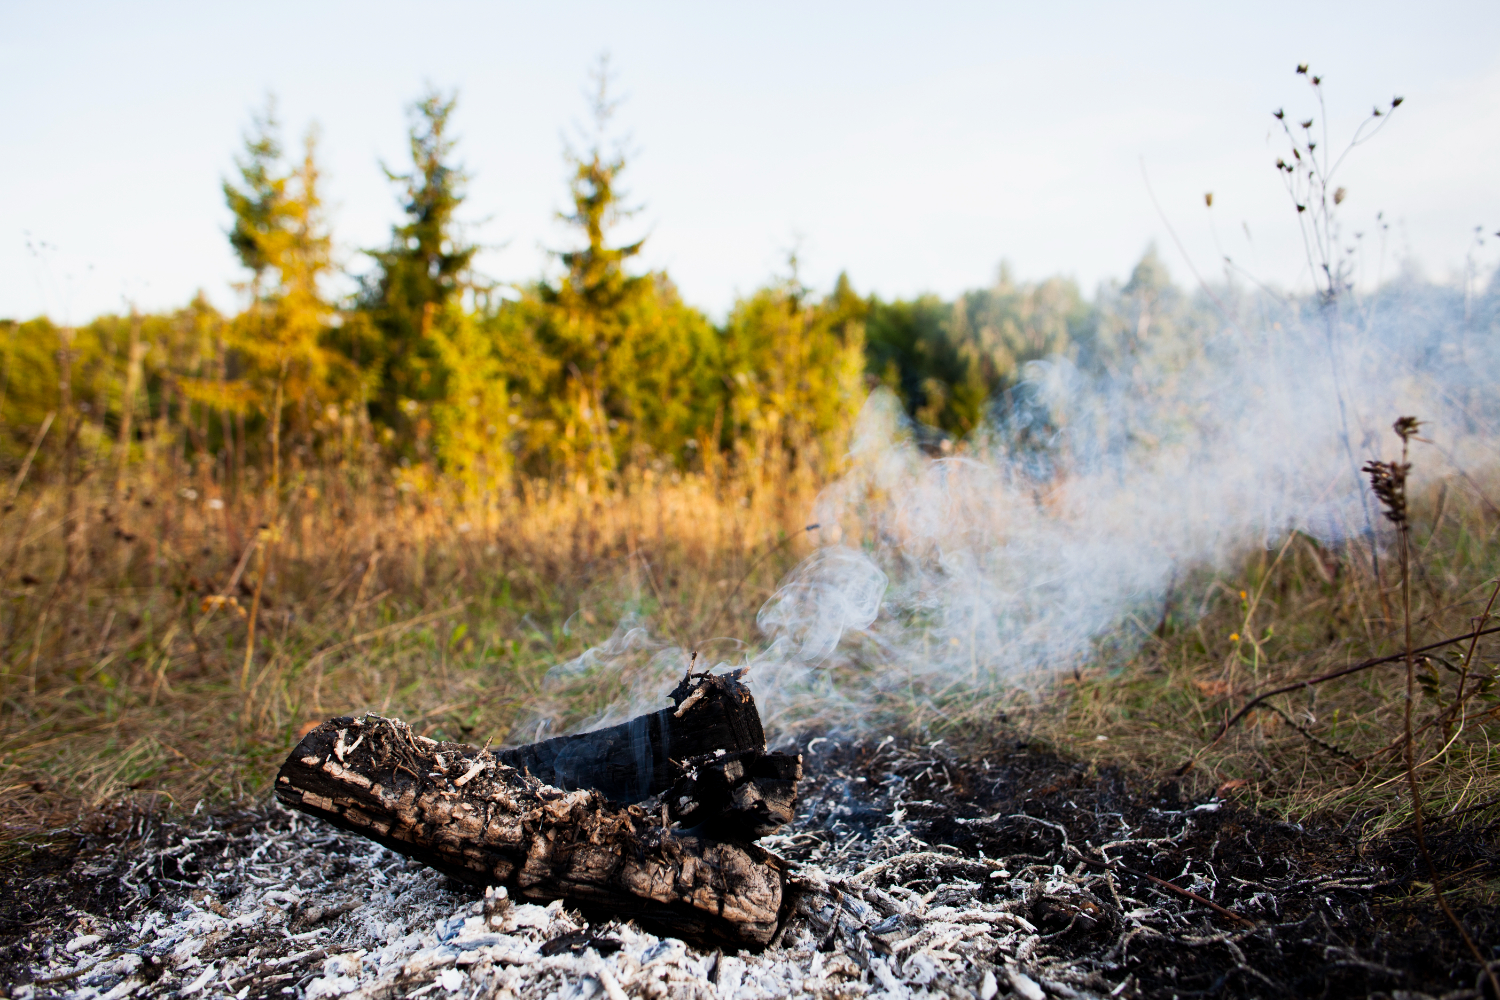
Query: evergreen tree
(472,421)
(794,370)
(258,205)
(952,363)
(630,360)
(1002,328)
(1148,317)
(900,336)
(282,238)
(425,269)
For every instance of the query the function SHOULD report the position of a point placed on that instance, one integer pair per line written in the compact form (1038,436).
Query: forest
(447,375)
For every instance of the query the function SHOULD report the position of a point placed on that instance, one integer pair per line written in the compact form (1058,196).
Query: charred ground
(1331,919)
(924,823)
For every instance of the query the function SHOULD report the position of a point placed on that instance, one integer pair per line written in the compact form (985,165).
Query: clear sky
(915,145)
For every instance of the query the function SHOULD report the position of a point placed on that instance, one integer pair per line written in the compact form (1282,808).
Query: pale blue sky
(915,146)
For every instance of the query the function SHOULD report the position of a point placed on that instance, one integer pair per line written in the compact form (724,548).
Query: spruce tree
(257,205)
(424,270)
(633,366)
(281,237)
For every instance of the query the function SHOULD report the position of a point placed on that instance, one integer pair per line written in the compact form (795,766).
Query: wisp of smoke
(1097,484)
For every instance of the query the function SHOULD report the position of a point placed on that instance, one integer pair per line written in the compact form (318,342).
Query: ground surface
(928,873)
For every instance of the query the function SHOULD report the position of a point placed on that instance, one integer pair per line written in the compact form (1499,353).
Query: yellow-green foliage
(947,362)
(795,370)
(172,346)
(282,239)
(576,380)
(471,424)
(999,329)
(633,370)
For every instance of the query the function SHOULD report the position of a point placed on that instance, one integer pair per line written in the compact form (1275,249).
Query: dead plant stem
(260,582)
(712,622)
(1463,677)
(15,487)
(1344,672)
(1403,534)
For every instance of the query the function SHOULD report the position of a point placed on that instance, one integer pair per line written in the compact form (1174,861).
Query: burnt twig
(1113,865)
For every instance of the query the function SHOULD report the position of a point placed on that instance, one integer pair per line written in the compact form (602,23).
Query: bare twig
(15,487)
(1311,737)
(1487,803)
(1388,481)
(708,631)
(1112,864)
(260,583)
(1463,677)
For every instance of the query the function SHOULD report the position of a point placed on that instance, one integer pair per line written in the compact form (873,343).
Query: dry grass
(123,636)
(1332,749)
(125,627)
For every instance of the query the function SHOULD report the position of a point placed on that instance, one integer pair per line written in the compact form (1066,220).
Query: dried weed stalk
(1388,482)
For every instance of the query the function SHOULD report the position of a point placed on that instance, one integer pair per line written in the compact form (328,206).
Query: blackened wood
(640,758)
(681,861)
(737,796)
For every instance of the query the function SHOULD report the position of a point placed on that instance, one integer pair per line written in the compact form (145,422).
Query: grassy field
(169,637)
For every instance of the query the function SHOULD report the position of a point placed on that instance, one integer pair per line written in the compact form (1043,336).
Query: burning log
(651,819)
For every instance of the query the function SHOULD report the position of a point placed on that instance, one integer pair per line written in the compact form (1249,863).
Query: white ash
(286,906)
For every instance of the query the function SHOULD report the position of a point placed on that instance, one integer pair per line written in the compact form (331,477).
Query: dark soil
(1329,919)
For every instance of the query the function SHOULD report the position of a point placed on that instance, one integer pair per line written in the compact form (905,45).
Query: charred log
(636,759)
(682,860)
(737,796)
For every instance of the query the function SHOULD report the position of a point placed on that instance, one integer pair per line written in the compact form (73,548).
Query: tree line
(443,373)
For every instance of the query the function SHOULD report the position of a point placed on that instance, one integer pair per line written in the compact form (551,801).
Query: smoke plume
(1063,527)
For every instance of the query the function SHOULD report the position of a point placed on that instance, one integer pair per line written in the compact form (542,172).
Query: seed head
(1388,482)
(1388,479)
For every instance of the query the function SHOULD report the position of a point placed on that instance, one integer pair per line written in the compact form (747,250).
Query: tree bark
(679,858)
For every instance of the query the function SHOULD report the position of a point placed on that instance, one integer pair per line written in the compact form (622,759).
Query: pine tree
(281,237)
(1148,317)
(425,269)
(631,359)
